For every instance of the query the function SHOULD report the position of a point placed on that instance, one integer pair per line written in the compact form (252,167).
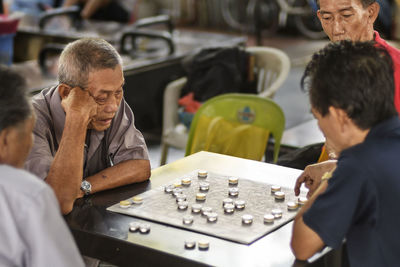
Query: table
(104,235)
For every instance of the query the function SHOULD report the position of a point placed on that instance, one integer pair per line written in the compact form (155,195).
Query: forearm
(66,171)
(68,3)
(92,6)
(305,242)
(127,172)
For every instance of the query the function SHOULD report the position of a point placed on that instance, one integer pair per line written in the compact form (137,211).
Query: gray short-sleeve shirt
(32,230)
(121,142)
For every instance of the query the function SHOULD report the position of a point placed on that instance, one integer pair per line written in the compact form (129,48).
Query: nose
(337,27)
(111,105)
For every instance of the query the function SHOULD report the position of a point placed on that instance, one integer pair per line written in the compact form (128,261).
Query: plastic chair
(237,125)
(273,68)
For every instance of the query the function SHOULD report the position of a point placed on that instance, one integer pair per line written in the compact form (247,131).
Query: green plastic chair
(240,123)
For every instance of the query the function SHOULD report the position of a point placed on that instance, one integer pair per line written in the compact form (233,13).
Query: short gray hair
(365,3)
(15,105)
(83,56)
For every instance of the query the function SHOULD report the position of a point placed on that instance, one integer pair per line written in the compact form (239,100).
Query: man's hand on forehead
(80,103)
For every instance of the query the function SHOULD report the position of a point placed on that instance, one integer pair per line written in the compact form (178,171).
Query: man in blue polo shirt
(351,93)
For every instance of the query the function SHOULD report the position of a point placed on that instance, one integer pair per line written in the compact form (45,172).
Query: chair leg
(164,153)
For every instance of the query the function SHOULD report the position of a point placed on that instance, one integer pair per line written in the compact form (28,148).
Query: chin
(98,127)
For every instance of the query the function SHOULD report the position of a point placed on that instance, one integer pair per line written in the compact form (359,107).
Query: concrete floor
(292,100)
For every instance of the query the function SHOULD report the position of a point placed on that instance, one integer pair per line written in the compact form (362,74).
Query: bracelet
(326,176)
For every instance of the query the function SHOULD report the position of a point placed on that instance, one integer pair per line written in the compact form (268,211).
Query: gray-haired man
(85,138)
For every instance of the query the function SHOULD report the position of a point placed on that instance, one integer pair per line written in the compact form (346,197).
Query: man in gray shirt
(32,231)
(85,138)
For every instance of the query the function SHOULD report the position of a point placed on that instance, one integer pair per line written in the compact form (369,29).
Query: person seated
(32,230)
(351,93)
(342,20)
(85,138)
(107,10)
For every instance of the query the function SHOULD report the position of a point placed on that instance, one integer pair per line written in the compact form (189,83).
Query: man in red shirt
(348,20)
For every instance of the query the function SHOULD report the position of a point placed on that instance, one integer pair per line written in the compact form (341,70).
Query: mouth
(104,122)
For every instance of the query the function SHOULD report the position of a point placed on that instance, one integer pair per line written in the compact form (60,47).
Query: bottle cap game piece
(277,213)
(124,204)
(200,196)
(292,206)
(269,218)
(168,189)
(134,226)
(275,188)
(180,198)
(206,210)
(144,228)
(234,191)
(196,208)
(233,180)
(279,195)
(227,201)
(202,174)
(187,219)
(186,181)
(212,217)
(204,186)
(183,205)
(137,200)
(229,208)
(240,204)
(302,200)
(177,191)
(247,219)
(190,244)
(177,185)
(203,244)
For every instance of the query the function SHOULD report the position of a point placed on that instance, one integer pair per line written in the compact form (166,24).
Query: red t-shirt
(395,54)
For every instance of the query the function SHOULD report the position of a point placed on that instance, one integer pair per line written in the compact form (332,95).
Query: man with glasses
(85,138)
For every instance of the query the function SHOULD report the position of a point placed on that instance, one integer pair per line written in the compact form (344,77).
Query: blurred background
(154,37)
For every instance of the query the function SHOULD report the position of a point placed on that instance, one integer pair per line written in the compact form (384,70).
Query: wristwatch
(86,187)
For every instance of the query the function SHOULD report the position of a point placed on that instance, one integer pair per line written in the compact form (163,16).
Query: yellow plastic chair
(237,125)
(273,67)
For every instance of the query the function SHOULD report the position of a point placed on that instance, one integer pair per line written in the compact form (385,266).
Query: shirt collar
(385,128)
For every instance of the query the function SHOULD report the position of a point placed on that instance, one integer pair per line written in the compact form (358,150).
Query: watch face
(86,187)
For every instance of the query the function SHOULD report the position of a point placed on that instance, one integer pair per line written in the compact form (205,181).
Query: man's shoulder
(393,51)
(20,182)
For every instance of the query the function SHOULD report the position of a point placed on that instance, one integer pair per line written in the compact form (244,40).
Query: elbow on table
(66,206)
(300,252)
(146,172)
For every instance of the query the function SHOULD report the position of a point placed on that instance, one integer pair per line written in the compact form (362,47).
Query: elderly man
(85,138)
(348,20)
(32,231)
(351,94)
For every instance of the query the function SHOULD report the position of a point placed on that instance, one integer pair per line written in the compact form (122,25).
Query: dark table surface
(104,235)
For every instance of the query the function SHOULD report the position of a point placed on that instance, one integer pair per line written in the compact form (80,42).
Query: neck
(357,137)
(368,36)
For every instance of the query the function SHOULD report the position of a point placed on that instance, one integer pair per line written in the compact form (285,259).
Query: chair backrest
(273,68)
(237,125)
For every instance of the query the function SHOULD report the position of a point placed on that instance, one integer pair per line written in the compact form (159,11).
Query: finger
(299,182)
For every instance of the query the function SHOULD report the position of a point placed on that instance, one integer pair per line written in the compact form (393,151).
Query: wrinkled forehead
(340,4)
(106,79)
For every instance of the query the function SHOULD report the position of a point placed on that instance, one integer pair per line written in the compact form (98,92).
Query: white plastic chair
(273,68)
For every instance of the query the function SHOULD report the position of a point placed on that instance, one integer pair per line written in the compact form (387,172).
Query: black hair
(15,105)
(356,77)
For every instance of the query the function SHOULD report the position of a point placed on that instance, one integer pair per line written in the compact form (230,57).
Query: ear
(64,90)
(319,15)
(4,144)
(373,11)
(340,117)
